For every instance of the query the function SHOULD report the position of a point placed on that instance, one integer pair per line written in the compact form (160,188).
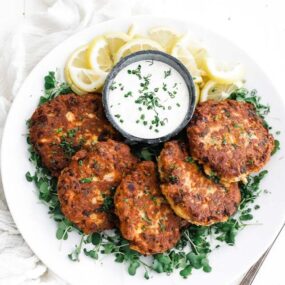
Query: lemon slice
(133,33)
(199,53)
(216,91)
(99,55)
(84,78)
(73,87)
(139,36)
(115,41)
(135,45)
(132,30)
(164,36)
(197,92)
(181,52)
(224,73)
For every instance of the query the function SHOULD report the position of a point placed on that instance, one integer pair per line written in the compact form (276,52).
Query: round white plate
(31,216)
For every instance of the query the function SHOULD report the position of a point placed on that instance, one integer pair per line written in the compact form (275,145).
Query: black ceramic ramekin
(158,56)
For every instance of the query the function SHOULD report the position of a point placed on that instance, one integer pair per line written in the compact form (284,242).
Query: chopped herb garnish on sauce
(136,72)
(129,94)
(113,86)
(167,73)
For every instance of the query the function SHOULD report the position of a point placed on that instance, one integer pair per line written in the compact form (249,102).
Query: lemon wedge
(181,52)
(99,55)
(81,75)
(222,73)
(166,37)
(216,91)
(115,41)
(135,45)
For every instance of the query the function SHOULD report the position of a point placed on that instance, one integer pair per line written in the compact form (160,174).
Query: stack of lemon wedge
(89,65)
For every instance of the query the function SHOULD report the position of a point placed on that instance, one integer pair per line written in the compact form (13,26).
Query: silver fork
(250,275)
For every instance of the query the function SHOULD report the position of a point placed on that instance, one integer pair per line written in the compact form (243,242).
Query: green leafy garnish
(67,146)
(108,204)
(52,88)
(47,192)
(242,94)
(86,180)
(74,255)
(276,146)
(63,228)
(189,159)
(190,252)
(71,133)
(193,248)
(147,152)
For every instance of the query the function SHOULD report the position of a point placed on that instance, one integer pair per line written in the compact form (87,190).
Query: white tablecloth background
(29,29)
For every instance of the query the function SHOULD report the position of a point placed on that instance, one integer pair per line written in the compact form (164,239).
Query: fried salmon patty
(229,139)
(193,196)
(87,185)
(64,125)
(146,219)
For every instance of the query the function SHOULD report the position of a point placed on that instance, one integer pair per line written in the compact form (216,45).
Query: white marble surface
(258,26)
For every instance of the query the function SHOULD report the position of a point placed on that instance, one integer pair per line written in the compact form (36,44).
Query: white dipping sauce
(148,99)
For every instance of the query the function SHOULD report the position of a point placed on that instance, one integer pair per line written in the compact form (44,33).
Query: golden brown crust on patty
(229,139)
(146,219)
(64,125)
(89,180)
(190,193)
